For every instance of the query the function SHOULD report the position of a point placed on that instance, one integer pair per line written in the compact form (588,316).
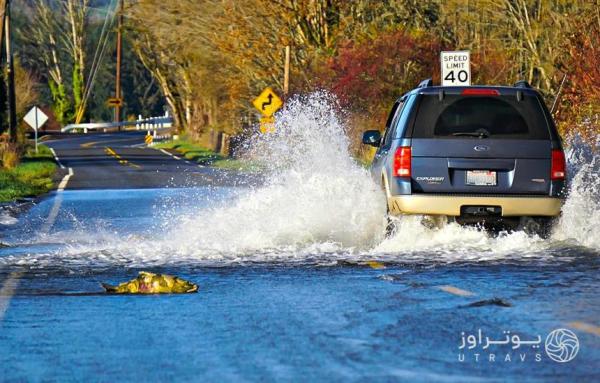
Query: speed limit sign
(456,68)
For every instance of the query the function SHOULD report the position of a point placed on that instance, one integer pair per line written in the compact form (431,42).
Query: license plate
(481,178)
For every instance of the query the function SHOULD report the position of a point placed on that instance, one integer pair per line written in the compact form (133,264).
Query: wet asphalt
(121,160)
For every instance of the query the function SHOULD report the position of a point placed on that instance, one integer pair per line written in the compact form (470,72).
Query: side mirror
(371,137)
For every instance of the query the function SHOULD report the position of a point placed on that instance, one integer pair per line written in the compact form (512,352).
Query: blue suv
(487,155)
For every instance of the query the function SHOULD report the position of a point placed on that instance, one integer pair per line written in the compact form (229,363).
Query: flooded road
(297,282)
(321,315)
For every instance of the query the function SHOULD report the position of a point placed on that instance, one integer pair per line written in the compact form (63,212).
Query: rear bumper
(451,205)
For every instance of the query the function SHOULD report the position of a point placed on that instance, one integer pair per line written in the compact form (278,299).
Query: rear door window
(389,125)
(480,117)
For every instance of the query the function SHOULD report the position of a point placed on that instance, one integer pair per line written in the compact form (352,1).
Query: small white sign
(35,118)
(456,68)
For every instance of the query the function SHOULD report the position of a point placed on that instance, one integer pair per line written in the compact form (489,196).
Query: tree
(370,75)
(211,63)
(44,40)
(579,103)
(76,14)
(26,92)
(57,37)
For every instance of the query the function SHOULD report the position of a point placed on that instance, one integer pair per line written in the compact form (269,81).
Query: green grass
(32,177)
(203,156)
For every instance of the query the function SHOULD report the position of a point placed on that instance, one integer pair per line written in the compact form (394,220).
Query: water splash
(315,192)
(580,217)
(317,205)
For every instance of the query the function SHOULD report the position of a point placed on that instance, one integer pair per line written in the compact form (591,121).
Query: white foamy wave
(580,219)
(7,219)
(412,236)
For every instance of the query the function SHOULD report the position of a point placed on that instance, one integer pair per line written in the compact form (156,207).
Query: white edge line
(57,201)
(174,156)
(56,159)
(165,152)
(63,184)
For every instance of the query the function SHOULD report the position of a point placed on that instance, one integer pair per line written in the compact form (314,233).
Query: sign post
(36,119)
(286,73)
(456,68)
(267,124)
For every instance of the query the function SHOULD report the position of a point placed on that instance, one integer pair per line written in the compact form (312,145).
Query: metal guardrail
(150,123)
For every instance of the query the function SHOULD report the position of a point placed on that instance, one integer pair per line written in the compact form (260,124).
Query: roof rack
(425,83)
(522,84)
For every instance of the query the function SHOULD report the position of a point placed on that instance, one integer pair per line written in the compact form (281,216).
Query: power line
(103,42)
(102,33)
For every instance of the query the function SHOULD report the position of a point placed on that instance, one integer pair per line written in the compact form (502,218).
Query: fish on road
(150,283)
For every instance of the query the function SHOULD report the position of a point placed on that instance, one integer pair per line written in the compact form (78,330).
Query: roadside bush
(10,155)
(578,111)
(368,76)
(33,176)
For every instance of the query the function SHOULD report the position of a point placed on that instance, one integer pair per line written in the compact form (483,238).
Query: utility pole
(286,73)
(10,78)
(118,74)
(3,6)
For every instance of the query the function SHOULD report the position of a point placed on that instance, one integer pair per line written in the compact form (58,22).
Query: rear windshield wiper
(472,134)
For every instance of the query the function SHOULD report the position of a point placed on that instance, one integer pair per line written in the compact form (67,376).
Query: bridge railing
(148,123)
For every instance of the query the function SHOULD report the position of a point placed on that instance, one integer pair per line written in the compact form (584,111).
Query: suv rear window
(480,117)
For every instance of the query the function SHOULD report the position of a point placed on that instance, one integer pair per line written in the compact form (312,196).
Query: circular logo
(481,148)
(562,345)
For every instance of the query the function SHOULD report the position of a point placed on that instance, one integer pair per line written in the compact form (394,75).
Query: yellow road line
(90,144)
(119,158)
(376,265)
(585,327)
(456,291)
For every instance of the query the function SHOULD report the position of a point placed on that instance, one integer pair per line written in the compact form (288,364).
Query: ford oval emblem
(481,148)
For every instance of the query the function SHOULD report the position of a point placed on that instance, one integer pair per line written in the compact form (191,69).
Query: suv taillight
(558,169)
(480,92)
(402,159)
